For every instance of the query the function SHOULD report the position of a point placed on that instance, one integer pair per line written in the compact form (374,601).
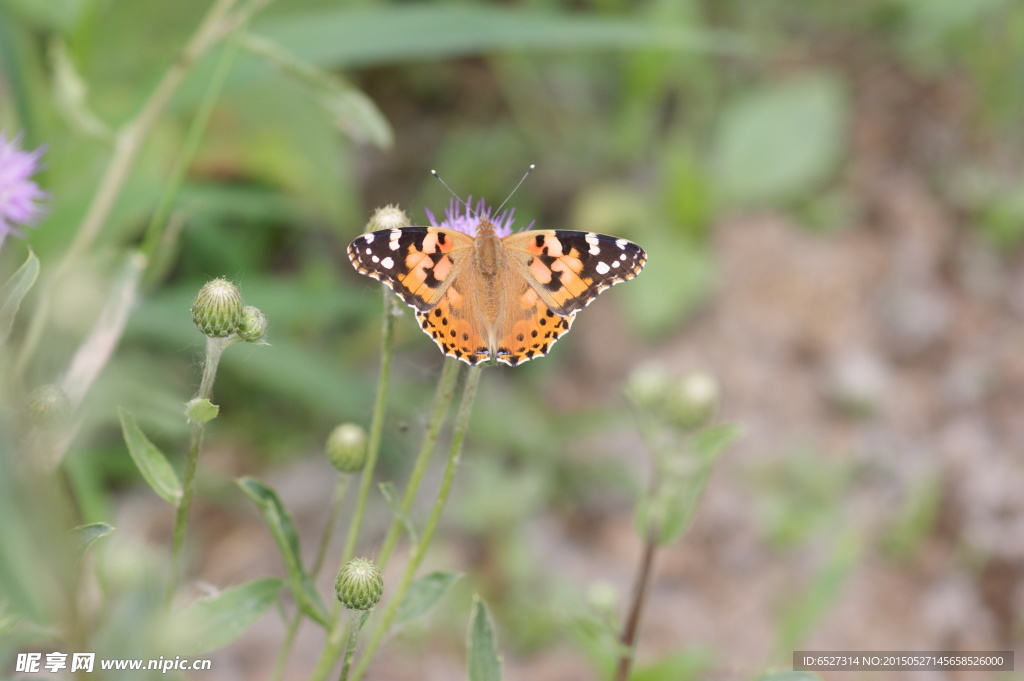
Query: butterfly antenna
(452,192)
(525,175)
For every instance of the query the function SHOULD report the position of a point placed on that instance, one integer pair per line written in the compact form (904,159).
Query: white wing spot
(368,238)
(368,251)
(387,262)
(396,234)
(375,259)
(621,243)
(615,263)
(622,257)
(594,243)
(602,268)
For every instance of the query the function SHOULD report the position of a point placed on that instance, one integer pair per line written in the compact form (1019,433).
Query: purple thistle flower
(459,217)
(18,194)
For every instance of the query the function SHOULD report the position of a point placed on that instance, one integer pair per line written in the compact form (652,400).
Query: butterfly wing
(417,263)
(569,269)
(530,328)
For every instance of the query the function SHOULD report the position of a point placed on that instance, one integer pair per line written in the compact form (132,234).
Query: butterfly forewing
(569,269)
(417,263)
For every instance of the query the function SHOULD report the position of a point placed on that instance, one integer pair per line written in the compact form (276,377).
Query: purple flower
(458,216)
(18,194)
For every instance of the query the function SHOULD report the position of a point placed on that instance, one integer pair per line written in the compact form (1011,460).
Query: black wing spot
(544,322)
(465,336)
(437,312)
(452,332)
(534,332)
(520,337)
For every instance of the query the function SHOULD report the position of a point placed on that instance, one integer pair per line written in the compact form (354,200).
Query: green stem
(442,400)
(127,145)
(214,349)
(321,552)
(332,649)
(155,235)
(355,625)
(387,348)
(461,427)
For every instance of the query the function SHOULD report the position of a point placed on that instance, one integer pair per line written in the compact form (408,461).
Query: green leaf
(283,530)
(201,410)
(149,460)
(69,94)
(343,36)
(423,594)
(711,441)
(87,534)
(482,663)
(391,495)
(14,292)
(353,112)
(781,143)
(212,623)
(684,482)
(805,610)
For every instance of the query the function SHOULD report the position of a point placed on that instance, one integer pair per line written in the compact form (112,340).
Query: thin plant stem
(461,427)
(387,352)
(442,400)
(214,349)
(355,625)
(154,236)
(321,553)
(335,639)
(127,145)
(640,590)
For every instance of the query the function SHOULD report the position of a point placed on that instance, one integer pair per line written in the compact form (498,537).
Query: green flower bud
(49,407)
(388,217)
(692,401)
(647,386)
(359,585)
(253,327)
(346,448)
(217,309)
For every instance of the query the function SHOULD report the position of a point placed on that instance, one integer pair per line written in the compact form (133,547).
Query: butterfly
(487,298)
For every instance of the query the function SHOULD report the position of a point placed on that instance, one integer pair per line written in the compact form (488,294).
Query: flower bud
(388,217)
(253,325)
(692,401)
(48,406)
(359,585)
(217,309)
(346,448)
(647,386)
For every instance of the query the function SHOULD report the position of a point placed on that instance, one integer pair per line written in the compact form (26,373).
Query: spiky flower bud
(388,217)
(647,386)
(359,585)
(217,309)
(253,326)
(691,402)
(48,406)
(346,448)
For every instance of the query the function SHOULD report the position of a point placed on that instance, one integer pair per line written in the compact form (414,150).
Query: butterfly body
(493,298)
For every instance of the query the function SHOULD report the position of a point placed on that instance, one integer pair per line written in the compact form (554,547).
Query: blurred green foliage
(647,120)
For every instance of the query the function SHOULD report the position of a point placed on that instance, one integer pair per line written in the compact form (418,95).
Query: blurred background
(830,195)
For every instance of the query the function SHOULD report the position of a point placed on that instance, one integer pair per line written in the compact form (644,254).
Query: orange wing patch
(533,334)
(452,330)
